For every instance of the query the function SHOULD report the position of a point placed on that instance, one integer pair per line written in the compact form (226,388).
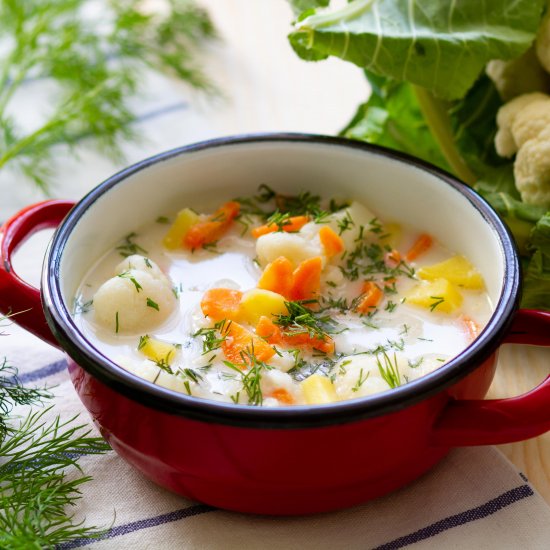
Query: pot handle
(496,421)
(16,296)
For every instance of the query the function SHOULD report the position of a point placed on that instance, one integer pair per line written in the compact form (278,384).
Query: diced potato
(439,295)
(184,220)
(318,389)
(259,302)
(457,270)
(157,350)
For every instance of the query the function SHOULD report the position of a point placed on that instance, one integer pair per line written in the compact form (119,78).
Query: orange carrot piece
(306,279)
(239,342)
(392,258)
(421,245)
(272,333)
(268,330)
(331,241)
(372,295)
(283,396)
(470,326)
(277,277)
(213,227)
(221,303)
(293,224)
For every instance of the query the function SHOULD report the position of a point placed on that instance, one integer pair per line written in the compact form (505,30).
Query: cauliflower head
(532,170)
(137,299)
(505,142)
(519,76)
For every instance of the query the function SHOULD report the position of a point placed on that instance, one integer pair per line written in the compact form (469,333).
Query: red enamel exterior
(286,469)
(266,471)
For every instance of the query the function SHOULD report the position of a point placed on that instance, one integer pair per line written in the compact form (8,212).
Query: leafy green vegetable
(392,117)
(430,97)
(35,455)
(95,58)
(441,46)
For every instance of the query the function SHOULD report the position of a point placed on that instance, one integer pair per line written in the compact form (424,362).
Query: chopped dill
(212,338)
(252,377)
(346,223)
(148,263)
(117,326)
(128,275)
(390,306)
(211,247)
(152,304)
(143,341)
(130,247)
(415,363)
(301,319)
(360,381)
(80,307)
(437,301)
(163,219)
(389,370)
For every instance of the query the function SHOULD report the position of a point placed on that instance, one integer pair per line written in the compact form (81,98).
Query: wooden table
(267,88)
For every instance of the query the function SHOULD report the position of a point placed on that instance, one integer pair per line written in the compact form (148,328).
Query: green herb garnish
(128,275)
(129,247)
(389,369)
(95,60)
(153,304)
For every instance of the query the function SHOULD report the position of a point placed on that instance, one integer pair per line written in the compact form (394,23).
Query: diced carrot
(470,326)
(268,330)
(421,245)
(291,225)
(213,227)
(331,241)
(283,396)
(240,342)
(271,332)
(392,258)
(306,279)
(221,303)
(277,277)
(371,297)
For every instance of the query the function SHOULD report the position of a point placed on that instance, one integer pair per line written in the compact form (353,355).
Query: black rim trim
(79,349)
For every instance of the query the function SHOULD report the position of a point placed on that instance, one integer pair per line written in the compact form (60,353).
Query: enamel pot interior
(205,175)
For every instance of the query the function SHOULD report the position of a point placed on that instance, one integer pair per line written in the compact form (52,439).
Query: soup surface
(279,300)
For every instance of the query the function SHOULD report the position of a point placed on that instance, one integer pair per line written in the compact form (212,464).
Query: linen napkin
(473,499)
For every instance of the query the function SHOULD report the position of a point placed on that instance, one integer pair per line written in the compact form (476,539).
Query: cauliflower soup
(277,300)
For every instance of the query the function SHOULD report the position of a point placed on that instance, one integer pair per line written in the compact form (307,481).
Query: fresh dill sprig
(128,247)
(212,338)
(128,275)
(389,369)
(300,319)
(251,377)
(96,63)
(36,454)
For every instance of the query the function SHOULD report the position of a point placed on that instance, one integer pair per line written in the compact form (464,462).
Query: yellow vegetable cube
(157,350)
(318,389)
(457,270)
(184,220)
(439,295)
(258,302)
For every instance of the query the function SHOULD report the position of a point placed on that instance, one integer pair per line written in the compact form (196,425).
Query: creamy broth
(372,348)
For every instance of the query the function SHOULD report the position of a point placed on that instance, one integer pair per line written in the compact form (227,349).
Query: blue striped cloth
(474,499)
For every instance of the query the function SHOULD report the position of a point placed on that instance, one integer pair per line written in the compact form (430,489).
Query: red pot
(299,459)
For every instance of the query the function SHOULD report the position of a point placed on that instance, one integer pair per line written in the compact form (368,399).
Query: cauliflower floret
(531,121)
(347,223)
(532,170)
(505,142)
(140,263)
(134,300)
(542,44)
(297,247)
(518,76)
